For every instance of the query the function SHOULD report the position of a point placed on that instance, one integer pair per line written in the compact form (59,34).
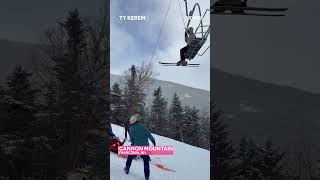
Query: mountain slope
(189,96)
(13,53)
(261,110)
(187,163)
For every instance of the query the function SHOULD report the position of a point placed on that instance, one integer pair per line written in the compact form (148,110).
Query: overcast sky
(26,20)
(278,50)
(132,42)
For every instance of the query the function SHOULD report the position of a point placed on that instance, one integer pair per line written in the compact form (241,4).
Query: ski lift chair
(194,47)
(197,43)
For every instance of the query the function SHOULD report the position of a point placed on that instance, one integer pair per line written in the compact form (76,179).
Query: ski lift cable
(164,20)
(184,24)
(132,111)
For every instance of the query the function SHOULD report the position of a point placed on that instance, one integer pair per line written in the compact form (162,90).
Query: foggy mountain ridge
(188,95)
(259,110)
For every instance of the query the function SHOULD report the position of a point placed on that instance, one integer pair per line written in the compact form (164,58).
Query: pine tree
(19,87)
(28,146)
(50,110)
(190,125)
(158,113)
(272,158)
(133,93)
(250,161)
(204,130)
(175,118)
(20,102)
(143,114)
(3,114)
(131,90)
(116,105)
(76,41)
(222,150)
(72,89)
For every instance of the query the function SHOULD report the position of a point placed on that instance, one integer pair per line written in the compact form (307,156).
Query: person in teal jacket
(139,136)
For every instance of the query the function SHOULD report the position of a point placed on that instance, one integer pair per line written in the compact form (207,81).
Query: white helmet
(134,118)
(190,29)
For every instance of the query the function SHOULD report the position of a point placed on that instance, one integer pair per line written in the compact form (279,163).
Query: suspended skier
(188,37)
(139,136)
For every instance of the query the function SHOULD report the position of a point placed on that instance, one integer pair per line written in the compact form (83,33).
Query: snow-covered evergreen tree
(159,113)
(175,118)
(272,158)
(143,114)
(250,161)
(19,102)
(204,130)
(136,79)
(77,73)
(133,94)
(190,126)
(117,111)
(222,149)
(19,86)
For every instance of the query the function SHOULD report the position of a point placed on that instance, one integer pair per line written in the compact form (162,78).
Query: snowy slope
(187,163)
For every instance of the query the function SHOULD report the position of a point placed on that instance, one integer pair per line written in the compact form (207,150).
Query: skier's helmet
(134,118)
(190,29)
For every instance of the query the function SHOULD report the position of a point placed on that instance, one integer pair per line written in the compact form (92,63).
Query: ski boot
(126,170)
(184,63)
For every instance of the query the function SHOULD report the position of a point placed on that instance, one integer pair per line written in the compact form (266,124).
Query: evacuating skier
(126,126)
(188,37)
(115,141)
(109,131)
(139,136)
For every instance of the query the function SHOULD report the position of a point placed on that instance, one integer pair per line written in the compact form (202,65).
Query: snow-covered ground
(187,163)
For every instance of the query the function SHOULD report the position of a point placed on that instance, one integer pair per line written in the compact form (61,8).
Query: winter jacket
(189,36)
(139,135)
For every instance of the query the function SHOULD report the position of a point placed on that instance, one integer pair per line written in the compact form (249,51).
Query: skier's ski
(250,8)
(248,14)
(175,64)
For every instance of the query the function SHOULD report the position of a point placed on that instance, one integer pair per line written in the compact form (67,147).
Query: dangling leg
(182,56)
(128,164)
(146,159)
